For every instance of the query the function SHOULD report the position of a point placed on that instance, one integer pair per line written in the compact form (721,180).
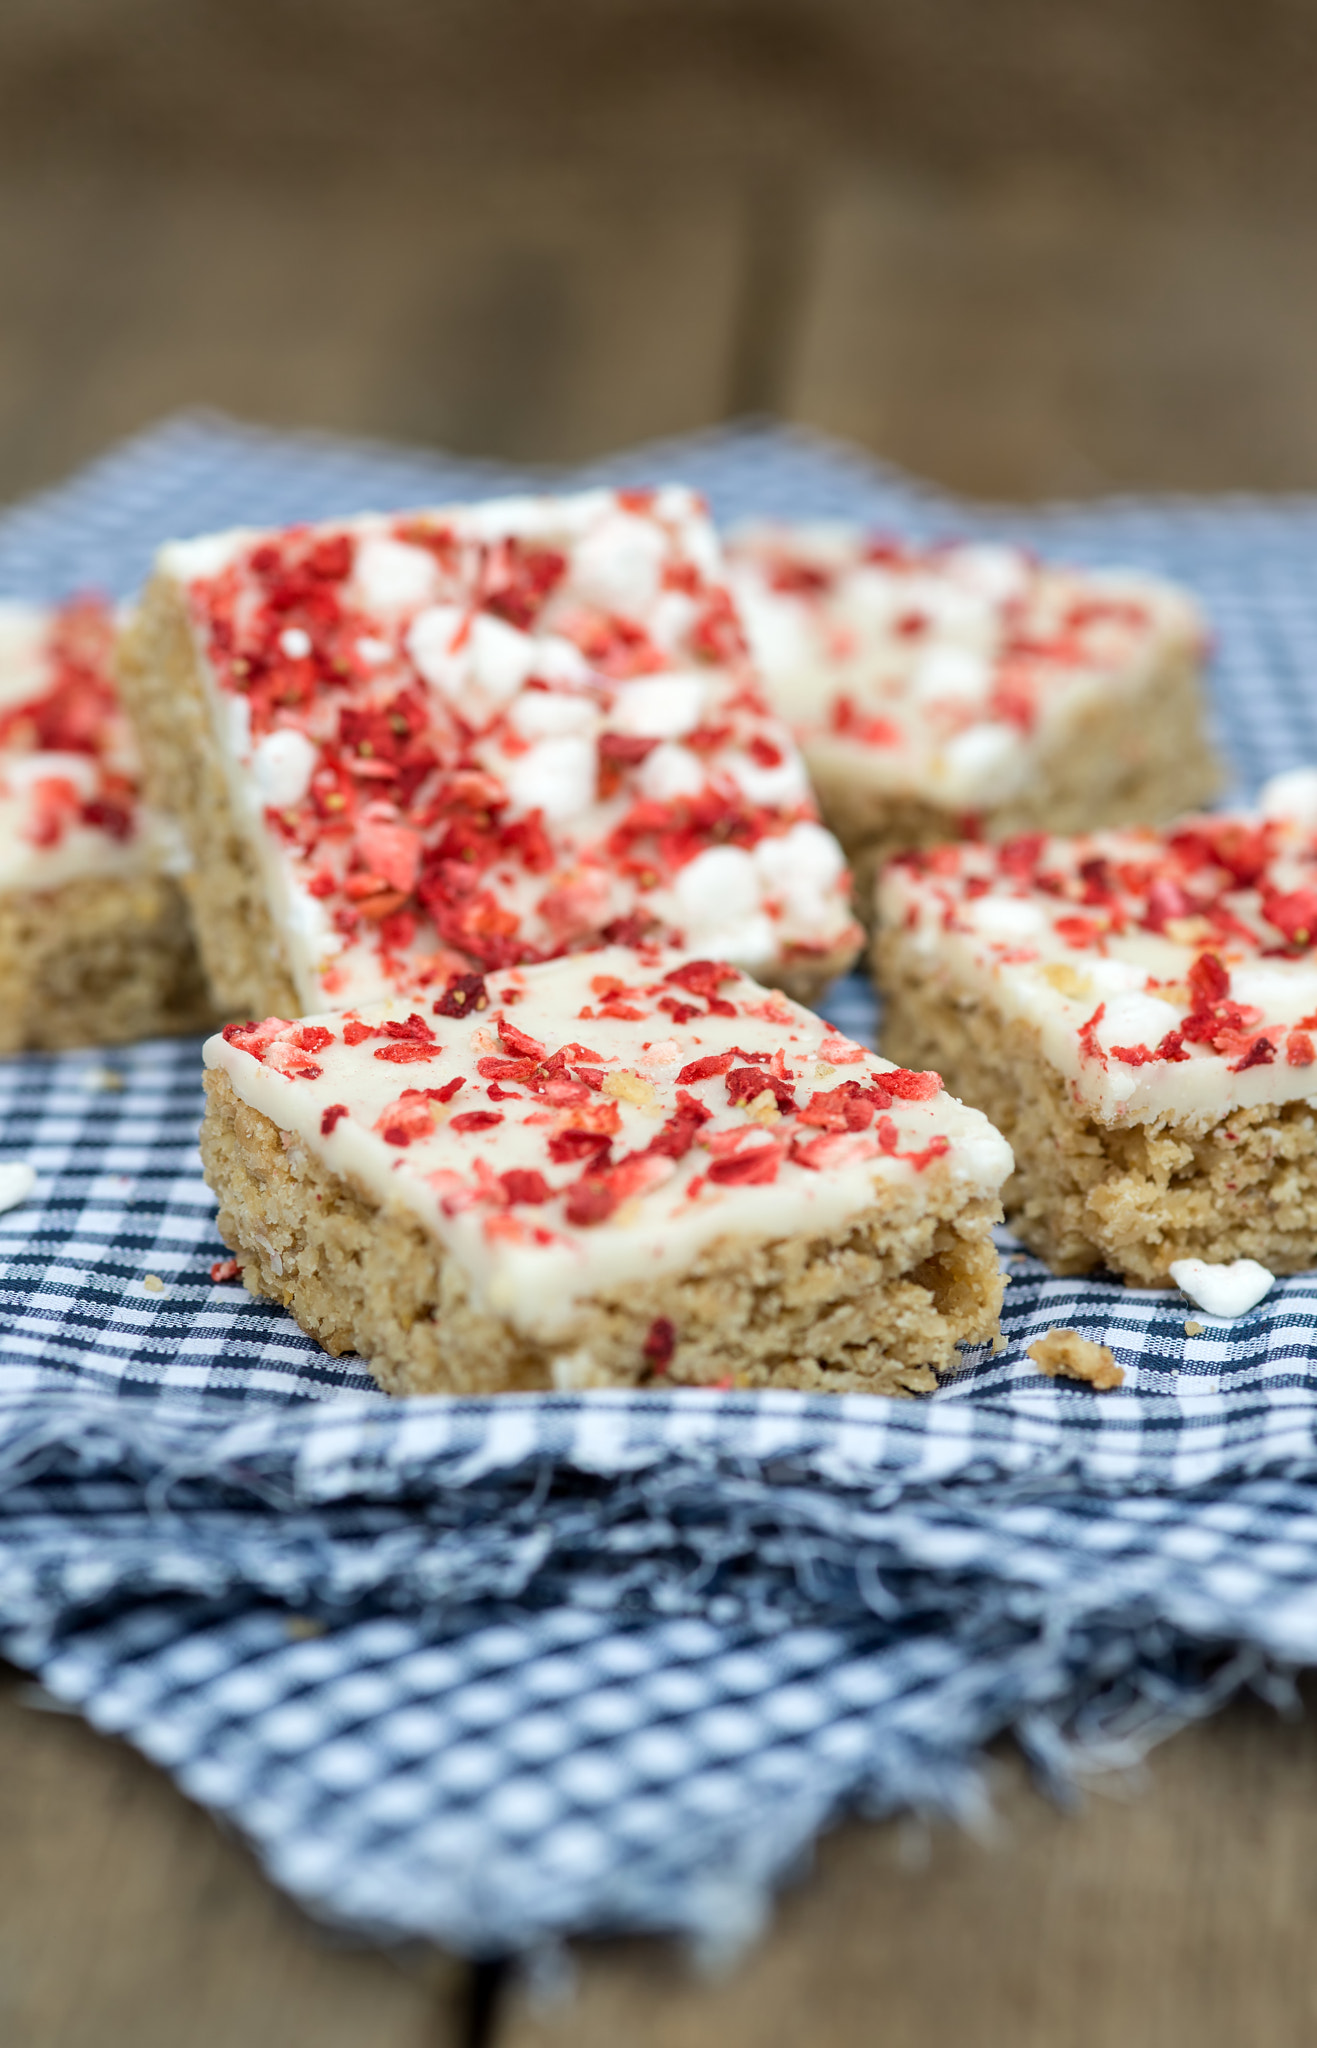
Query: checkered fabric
(495,1672)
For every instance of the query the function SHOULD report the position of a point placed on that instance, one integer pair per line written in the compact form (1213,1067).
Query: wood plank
(1041,333)
(129,1920)
(1177,1916)
(548,320)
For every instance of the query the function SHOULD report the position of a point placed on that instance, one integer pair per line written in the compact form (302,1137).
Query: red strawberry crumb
(477,1120)
(659,1345)
(224,1269)
(332,1116)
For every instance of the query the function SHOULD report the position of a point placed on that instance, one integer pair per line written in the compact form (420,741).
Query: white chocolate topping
(69,807)
(487,734)
(941,672)
(1223,1290)
(568,1128)
(1169,974)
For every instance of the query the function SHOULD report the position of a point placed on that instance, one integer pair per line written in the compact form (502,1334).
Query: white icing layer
(585,1147)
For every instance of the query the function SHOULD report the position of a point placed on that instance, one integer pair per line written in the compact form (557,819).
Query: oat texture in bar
(1137,1012)
(95,946)
(606,1170)
(972,690)
(403,747)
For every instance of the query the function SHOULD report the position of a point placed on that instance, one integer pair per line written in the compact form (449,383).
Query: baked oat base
(160,680)
(1085,1193)
(876,1308)
(1116,766)
(100,961)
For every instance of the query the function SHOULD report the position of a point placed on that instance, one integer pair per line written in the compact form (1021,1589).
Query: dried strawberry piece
(462,994)
(567,1147)
(1294,914)
(911,1087)
(253,1038)
(659,1345)
(701,977)
(115,820)
(624,749)
(847,1107)
(590,1200)
(413,1027)
(678,1134)
(1133,1055)
(224,1269)
(1299,1049)
(716,634)
(517,580)
(632,930)
(524,1184)
(707,1068)
(1019,857)
(449,1089)
(1077,931)
(476,1120)
(746,1084)
(356,1033)
(847,718)
(407,1052)
(491,1068)
(680,1013)
(521,1042)
(333,1115)
(1261,1053)
(314,1038)
(755,1166)
(1089,1049)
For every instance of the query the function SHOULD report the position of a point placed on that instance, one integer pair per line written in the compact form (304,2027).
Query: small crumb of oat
(101,1081)
(303,1628)
(1066,1353)
(224,1269)
(1193,1329)
(153,1283)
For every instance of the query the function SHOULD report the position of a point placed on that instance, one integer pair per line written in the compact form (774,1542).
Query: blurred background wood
(1040,248)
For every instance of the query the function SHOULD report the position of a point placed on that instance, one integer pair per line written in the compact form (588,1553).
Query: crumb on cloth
(1066,1354)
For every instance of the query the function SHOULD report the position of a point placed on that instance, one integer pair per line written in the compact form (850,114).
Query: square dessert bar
(1137,1012)
(612,1169)
(95,945)
(404,747)
(972,691)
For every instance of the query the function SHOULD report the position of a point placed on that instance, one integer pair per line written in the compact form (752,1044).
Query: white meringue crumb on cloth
(17,1180)
(1229,1290)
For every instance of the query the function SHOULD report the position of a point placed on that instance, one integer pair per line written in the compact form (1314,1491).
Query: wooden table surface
(1072,255)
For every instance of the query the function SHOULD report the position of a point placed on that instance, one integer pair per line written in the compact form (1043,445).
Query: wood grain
(128,1920)
(1177,1916)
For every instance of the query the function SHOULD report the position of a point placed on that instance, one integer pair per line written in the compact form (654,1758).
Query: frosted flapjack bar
(407,746)
(1137,1012)
(95,946)
(972,690)
(608,1170)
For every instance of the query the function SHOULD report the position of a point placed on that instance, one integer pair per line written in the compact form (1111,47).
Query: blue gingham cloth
(497,1672)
